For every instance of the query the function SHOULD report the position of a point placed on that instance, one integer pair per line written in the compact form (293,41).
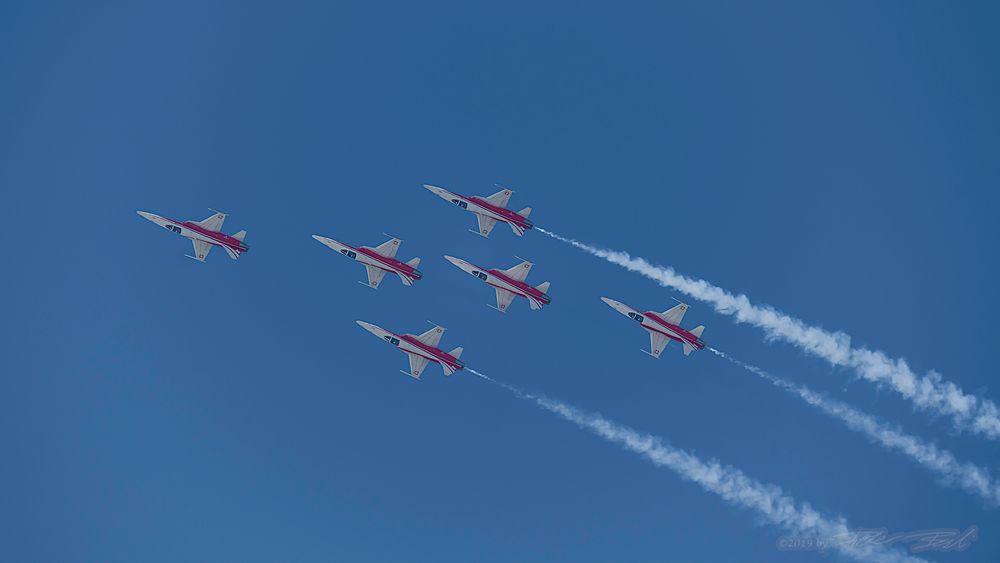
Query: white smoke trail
(966,476)
(930,393)
(768,501)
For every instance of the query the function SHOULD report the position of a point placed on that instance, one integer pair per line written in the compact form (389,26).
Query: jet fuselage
(194,231)
(478,205)
(500,279)
(369,257)
(496,278)
(651,321)
(409,344)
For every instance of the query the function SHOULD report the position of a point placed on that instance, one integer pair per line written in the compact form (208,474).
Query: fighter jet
(663,327)
(509,283)
(378,260)
(420,349)
(489,210)
(203,234)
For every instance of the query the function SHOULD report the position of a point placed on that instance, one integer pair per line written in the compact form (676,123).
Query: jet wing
(432,336)
(485,224)
(674,315)
(500,198)
(213,223)
(657,342)
(504,298)
(388,248)
(417,364)
(374,276)
(520,271)
(201,249)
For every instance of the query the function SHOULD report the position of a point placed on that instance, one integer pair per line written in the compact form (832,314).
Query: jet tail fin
(698,330)
(688,348)
(413,263)
(240,235)
(543,287)
(457,352)
(524,212)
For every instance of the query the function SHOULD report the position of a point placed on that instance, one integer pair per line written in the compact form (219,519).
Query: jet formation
(509,283)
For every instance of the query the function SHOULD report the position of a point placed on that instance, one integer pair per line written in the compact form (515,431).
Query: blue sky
(837,161)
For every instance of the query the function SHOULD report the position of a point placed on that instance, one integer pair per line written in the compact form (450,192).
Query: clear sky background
(836,160)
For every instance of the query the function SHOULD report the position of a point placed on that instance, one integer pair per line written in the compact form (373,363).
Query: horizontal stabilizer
(543,287)
(413,263)
(698,330)
(457,352)
(524,212)
(688,348)
(240,235)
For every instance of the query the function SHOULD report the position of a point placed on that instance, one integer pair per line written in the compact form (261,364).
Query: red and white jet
(489,210)
(663,327)
(203,234)
(420,349)
(508,283)
(378,260)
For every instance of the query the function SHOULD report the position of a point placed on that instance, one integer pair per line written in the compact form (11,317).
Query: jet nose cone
(329,242)
(440,192)
(369,327)
(461,264)
(145,215)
